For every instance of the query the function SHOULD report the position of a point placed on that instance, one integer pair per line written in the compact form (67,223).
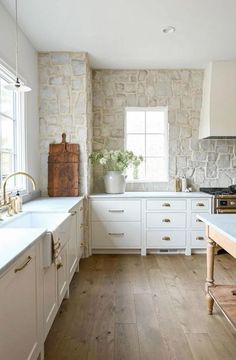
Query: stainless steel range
(224,199)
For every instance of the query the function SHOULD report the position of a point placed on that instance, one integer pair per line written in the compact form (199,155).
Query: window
(146,134)
(11,130)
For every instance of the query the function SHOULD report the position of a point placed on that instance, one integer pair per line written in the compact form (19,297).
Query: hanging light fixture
(18,85)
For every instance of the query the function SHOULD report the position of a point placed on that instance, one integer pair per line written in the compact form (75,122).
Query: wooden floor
(128,307)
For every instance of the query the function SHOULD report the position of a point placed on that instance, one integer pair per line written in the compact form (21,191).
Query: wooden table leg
(210,273)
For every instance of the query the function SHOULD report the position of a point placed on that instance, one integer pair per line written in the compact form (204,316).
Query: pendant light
(17,86)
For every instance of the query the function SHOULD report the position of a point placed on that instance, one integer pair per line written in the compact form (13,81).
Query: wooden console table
(221,231)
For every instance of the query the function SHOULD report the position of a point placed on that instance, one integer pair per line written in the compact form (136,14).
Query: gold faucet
(5,202)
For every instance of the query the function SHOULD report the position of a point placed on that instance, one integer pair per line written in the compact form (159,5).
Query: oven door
(225,206)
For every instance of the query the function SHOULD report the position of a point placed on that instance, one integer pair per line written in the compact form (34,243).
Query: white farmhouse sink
(49,221)
(52,223)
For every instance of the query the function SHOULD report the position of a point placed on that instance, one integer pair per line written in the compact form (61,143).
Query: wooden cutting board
(63,169)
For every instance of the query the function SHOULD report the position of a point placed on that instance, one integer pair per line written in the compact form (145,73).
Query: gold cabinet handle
(166,205)
(73,213)
(117,234)
(200,204)
(29,258)
(166,220)
(199,238)
(116,211)
(166,238)
(198,220)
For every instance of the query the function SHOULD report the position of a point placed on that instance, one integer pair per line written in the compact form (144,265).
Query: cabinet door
(72,247)
(19,337)
(80,230)
(50,297)
(62,273)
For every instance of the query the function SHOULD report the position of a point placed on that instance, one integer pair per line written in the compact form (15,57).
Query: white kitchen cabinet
(49,296)
(148,222)
(73,246)
(62,275)
(19,308)
(115,224)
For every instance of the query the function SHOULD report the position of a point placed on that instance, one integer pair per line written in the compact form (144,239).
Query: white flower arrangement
(115,160)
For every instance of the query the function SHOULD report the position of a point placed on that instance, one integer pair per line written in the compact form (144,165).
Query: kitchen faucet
(7,204)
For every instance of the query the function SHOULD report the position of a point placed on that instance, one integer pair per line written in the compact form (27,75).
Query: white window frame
(164,109)
(19,132)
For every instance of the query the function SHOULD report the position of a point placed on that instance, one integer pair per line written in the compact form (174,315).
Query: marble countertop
(225,224)
(55,204)
(14,242)
(147,194)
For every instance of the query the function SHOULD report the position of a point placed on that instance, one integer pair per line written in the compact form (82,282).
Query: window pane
(155,169)
(135,122)
(136,143)
(155,121)
(7,165)
(7,134)
(155,145)
(6,100)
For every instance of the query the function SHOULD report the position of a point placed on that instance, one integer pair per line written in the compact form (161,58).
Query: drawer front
(166,204)
(166,220)
(166,239)
(116,235)
(198,239)
(116,210)
(197,223)
(200,204)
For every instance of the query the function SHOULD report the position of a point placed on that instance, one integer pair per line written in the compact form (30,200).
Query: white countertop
(225,224)
(155,194)
(14,242)
(60,204)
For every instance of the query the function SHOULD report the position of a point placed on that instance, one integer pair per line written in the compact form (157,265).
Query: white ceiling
(127,33)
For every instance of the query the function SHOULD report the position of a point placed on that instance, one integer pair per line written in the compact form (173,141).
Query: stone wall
(65,105)
(204,162)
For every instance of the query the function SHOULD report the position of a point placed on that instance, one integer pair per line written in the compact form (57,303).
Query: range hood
(218,113)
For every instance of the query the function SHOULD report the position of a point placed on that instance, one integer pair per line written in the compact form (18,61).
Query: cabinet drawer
(198,239)
(200,204)
(166,239)
(166,220)
(116,210)
(166,204)
(196,223)
(117,235)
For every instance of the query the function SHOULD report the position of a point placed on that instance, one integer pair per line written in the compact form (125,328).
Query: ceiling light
(168,29)
(17,86)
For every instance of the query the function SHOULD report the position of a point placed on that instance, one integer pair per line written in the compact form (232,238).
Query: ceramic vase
(114,182)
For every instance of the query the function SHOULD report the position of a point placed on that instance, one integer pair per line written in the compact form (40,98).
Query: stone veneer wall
(204,162)
(65,105)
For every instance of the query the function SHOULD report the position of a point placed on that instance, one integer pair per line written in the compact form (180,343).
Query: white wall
(28,69)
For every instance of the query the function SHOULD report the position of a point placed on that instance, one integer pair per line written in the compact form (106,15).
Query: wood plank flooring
(128,307)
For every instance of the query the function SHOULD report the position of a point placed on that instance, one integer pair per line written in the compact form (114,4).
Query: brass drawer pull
(29,258)
(198,220)
(116,211)
(199,238)
(166,220)
(166,238)
(200,204)
(73,213)
(116,234)
(165,205)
